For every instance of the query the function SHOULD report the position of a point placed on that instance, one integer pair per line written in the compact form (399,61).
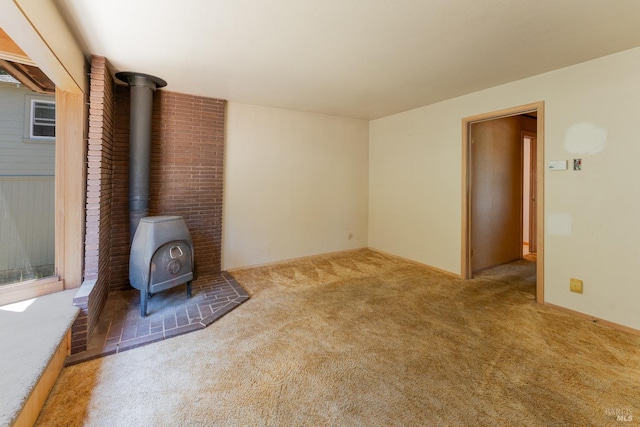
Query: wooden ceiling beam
(31,77)
(10,51)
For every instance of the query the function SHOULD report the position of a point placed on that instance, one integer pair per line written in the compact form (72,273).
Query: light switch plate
(558,165)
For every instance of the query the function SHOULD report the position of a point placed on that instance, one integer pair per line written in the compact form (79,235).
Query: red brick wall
(186,175)
(97,272)
(99,172)
(119,201)
(186,179)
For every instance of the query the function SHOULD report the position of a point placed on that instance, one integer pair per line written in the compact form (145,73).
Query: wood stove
(161,257)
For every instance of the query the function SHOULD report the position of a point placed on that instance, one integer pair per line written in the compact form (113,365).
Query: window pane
(44,130)
(45,110)
(27,189)
(43,119)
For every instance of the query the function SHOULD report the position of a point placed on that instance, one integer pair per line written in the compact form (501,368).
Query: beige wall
(296,184)
(592,217)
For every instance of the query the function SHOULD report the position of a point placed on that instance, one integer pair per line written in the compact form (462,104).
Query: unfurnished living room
(338,213)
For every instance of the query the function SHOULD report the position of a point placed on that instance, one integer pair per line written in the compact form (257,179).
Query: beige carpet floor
(365,339)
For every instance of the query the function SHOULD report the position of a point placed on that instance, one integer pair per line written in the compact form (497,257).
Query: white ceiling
(354,58)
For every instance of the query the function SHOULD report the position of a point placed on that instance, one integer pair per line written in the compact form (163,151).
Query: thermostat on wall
(558,165)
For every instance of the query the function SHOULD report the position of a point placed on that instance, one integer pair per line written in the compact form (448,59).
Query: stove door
(171,265)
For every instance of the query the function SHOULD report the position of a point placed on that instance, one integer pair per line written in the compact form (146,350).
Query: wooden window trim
(70,165)
(70,178)
(29,289)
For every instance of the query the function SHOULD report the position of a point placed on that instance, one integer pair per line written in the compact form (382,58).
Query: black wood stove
(161,257)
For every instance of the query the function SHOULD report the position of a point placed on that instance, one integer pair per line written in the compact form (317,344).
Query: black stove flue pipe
(142,87)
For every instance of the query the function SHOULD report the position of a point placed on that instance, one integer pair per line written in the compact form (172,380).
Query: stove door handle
(173,249)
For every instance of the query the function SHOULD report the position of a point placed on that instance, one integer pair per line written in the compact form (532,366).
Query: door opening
(493,218)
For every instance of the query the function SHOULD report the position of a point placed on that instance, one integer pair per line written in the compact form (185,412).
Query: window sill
(30,289)
(34,342)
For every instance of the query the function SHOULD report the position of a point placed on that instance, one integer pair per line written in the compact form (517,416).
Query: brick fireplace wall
(97,252)
(186,175)
(186,180)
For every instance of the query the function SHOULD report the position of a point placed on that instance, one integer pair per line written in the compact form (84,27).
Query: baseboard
(421,264)
(593,319)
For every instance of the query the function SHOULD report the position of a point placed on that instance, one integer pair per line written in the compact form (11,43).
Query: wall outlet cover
(575,285)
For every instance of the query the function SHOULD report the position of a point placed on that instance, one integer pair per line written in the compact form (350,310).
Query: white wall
(296,184)
(592,217)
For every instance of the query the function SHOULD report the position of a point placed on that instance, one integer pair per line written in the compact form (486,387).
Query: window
(69,146)
(27,189)
(43,119)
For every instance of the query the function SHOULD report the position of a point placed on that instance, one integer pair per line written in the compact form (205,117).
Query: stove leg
(143,303)
(189,289)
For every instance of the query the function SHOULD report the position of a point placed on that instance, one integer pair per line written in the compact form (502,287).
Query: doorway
(492,201)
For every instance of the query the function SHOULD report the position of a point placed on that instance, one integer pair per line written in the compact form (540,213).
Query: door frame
(533,198)
(538,107)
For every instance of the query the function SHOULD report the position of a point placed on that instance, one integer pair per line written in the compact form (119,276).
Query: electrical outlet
(575,285)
